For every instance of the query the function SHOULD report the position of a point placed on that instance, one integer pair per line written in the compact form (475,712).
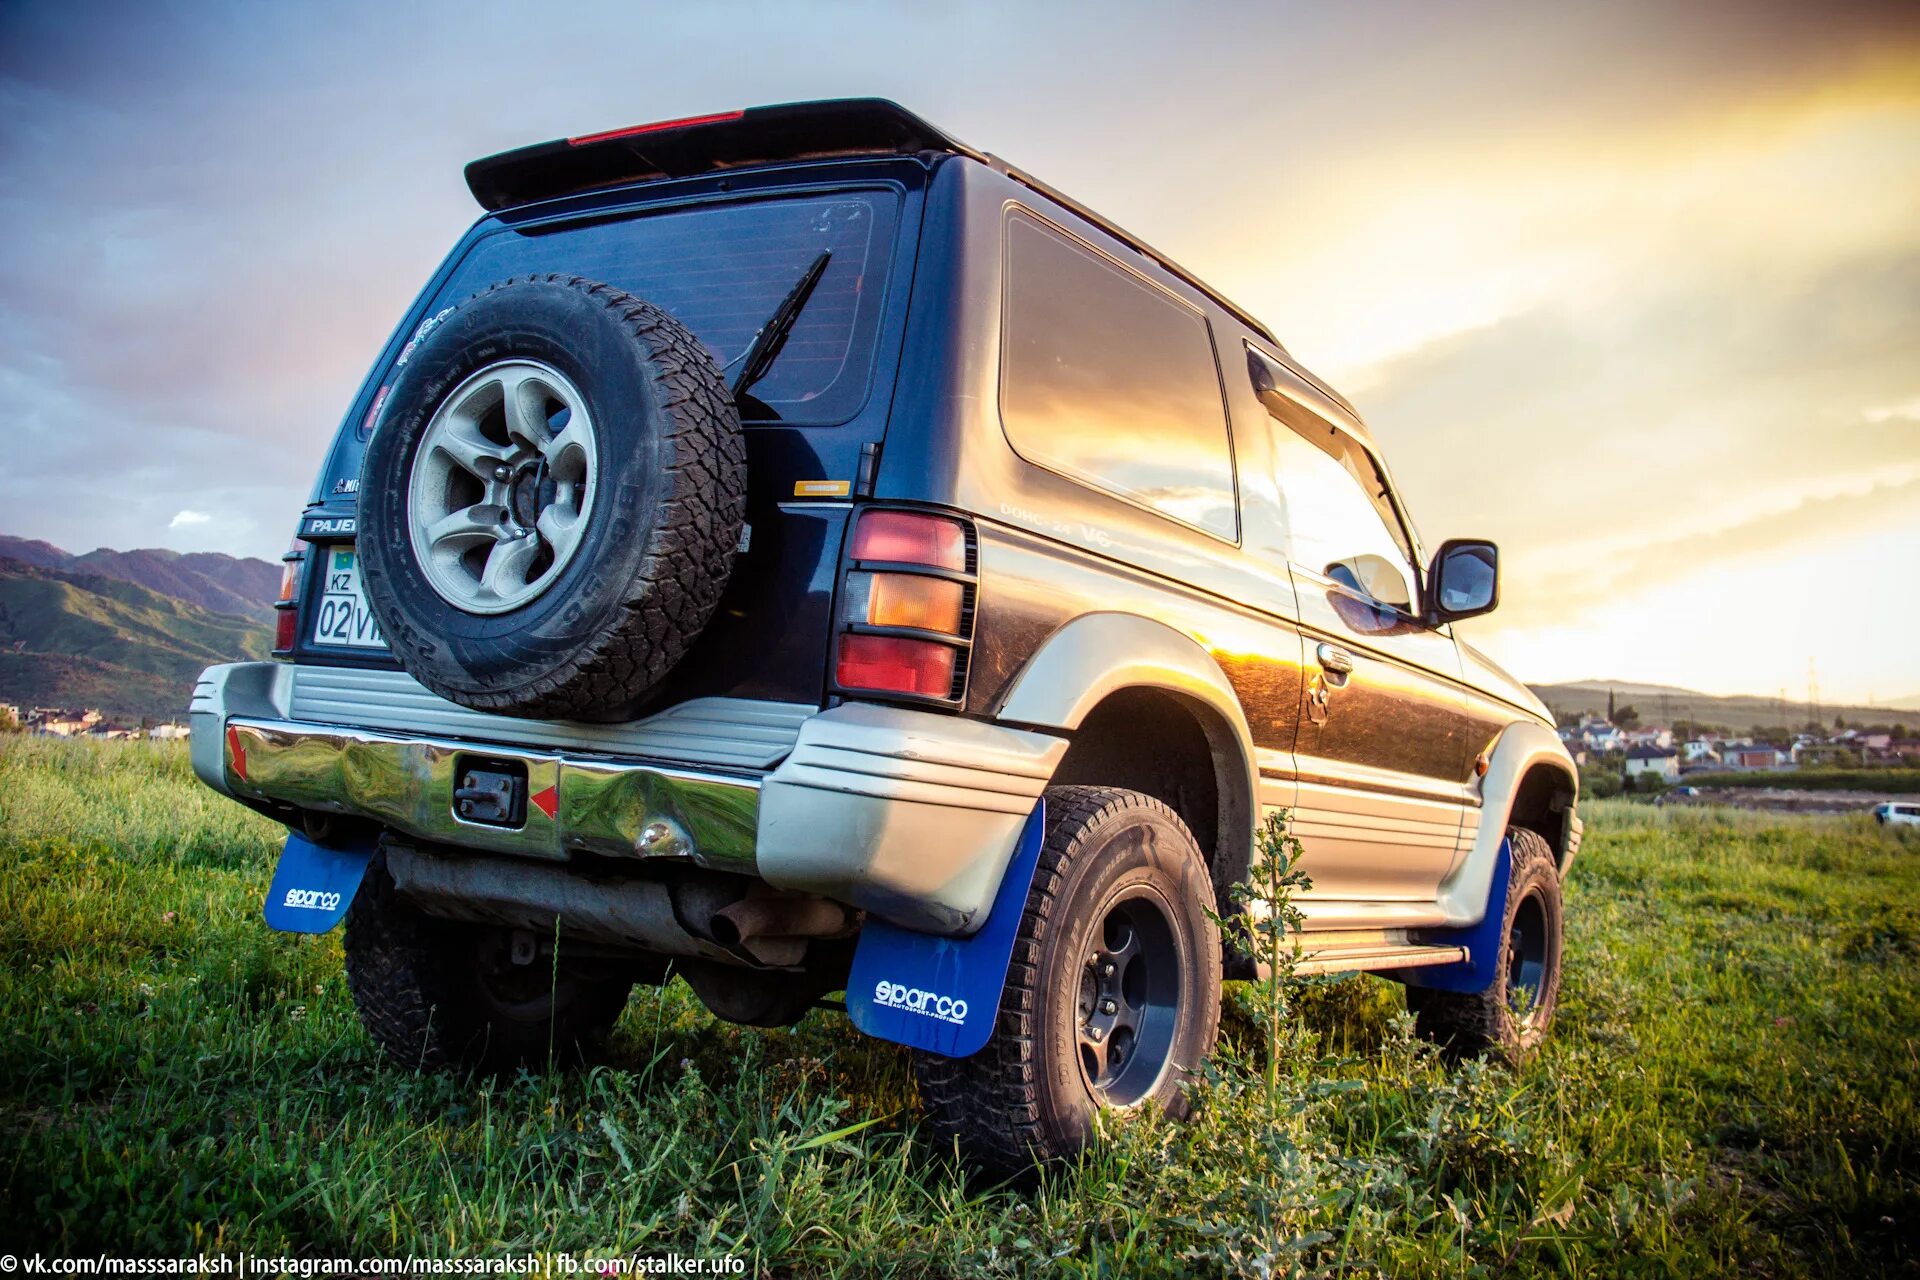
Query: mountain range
(125,631)
(215,582)
(1667,704)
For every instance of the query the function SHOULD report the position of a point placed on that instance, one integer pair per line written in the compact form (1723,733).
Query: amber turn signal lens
(905,600)
(907,537)
(290,569)
(895,664)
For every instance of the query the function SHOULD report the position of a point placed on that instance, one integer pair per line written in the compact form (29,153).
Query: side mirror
(1464,581)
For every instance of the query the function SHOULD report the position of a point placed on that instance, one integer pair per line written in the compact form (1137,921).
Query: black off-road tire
(670,498)
(426,993)
(1485,1022)
(1024,1098)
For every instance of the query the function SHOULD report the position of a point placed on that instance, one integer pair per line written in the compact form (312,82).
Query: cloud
(1561,583)
(1626,287)
(182,519)
(1907,411)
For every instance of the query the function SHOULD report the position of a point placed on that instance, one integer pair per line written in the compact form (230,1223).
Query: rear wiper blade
(761,352)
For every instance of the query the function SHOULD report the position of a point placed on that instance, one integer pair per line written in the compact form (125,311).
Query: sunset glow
(1636,295)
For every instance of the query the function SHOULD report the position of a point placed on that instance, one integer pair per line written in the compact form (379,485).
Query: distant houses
(61,722)
(1662,762)
(1754,755)
(1654,752)
(1598,735)
(86,722)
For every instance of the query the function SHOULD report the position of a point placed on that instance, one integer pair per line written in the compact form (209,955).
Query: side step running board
(1372,959)
(1367,950)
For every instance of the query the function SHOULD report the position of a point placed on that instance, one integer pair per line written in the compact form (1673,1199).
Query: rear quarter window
(1111,380)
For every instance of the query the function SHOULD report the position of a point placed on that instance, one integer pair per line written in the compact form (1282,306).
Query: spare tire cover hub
(502,486)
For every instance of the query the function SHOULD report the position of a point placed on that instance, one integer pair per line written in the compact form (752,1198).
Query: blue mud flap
(1482,941)
(943,994)
(314,884)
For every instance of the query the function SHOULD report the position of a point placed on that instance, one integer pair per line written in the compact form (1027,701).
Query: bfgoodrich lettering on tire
(550,504)
(1113,995)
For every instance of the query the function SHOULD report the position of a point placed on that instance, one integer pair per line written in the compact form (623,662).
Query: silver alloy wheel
(502,486)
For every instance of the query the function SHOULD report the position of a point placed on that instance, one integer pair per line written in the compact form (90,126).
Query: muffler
(539,897)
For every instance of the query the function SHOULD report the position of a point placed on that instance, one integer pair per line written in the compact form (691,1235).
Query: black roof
(829,129)
(704,144)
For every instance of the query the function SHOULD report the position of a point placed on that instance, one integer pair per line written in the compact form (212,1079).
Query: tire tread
(989,1105)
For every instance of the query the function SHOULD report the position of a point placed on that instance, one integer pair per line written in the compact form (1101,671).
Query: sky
(1632,288)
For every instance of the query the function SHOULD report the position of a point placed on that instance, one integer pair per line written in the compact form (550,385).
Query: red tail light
(906,606)
(286,617)
(896,664)
(907,537)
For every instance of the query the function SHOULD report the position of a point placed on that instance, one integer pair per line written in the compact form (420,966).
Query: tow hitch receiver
(490,792)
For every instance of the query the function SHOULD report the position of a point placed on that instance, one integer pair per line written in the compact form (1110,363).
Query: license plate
(343,619)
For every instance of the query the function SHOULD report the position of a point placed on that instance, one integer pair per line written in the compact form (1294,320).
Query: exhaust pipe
(537,897)
(775,931)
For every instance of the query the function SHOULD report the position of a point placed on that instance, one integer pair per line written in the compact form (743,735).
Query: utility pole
(1813,694)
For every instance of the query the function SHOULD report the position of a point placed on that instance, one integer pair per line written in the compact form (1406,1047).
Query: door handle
(1337,662)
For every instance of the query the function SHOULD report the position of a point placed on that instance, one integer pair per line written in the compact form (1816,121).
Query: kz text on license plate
(343,618)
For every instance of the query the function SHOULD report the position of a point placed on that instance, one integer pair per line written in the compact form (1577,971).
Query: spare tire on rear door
(550,503)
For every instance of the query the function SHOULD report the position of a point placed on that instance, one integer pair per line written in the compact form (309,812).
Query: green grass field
(1730,1088)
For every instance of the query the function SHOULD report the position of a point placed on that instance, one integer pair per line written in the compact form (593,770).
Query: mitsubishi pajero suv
(793,551)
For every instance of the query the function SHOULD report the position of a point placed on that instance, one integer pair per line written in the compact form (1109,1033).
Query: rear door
(719,254)
(1381,748)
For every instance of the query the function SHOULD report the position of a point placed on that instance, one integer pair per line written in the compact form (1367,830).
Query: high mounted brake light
(658,126)
(704,144)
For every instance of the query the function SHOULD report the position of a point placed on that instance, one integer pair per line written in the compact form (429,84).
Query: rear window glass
(721,270)
(1109,379)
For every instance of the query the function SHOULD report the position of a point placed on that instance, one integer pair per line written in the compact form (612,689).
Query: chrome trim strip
(1345,775)
(598,806)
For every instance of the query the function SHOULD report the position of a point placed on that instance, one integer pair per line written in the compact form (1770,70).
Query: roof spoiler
(821,130)
(705,144)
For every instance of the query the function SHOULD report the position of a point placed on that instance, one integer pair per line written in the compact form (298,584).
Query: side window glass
(1109,379)
(1338,518)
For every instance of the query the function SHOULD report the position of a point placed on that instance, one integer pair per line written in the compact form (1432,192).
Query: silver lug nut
(1106,970)
(503,474)
(1108,1006)
(1094,1034)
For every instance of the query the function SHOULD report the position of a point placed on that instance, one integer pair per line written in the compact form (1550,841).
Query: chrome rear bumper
(591,806)
(245,746)
(908,814)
